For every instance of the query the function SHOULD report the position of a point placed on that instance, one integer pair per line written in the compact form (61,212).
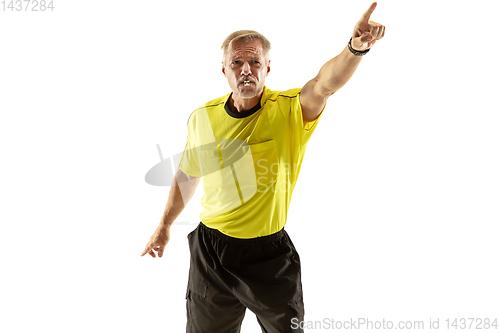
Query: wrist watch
(356,53)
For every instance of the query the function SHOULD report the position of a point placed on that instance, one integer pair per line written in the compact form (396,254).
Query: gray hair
(246,36)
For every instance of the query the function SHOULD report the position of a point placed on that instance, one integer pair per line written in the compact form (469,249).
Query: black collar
(241,114)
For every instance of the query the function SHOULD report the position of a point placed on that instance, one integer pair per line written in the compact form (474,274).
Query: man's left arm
(336,72)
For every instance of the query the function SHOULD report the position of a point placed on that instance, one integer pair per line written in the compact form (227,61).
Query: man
(248,146)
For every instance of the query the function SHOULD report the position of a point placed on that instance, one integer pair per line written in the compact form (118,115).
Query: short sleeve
(304,132)
(189,162)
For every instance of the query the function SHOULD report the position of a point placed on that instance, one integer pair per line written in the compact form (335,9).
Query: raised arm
(337,71)
(181,191)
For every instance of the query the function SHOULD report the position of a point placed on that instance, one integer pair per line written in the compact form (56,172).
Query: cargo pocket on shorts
(196,287)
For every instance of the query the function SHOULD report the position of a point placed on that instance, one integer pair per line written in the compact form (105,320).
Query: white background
(396,210)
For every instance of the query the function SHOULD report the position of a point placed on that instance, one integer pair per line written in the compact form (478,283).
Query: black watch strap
(356,53)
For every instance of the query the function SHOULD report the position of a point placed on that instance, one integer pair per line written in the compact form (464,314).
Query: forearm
(336,72)
(181,191)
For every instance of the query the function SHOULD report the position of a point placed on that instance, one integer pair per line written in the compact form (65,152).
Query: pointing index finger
(366,16)
(146,250)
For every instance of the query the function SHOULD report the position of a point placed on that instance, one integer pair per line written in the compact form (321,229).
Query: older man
(248,146)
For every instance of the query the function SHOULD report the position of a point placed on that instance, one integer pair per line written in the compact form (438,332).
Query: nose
(245,70)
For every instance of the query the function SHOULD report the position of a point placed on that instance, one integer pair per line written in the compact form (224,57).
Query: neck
(244,104)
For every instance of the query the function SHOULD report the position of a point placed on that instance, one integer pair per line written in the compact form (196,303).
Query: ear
(223,70)
(268,67)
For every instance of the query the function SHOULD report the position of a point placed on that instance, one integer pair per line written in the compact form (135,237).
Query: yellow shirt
(249,161)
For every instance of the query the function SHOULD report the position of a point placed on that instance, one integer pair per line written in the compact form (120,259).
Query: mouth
(247,83)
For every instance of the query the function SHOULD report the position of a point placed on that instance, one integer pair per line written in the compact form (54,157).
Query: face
(245,61)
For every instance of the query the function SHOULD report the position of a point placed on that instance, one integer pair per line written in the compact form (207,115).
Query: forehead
(253,48)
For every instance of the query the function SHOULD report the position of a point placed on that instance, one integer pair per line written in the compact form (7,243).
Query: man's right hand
(175,205)
(158,241)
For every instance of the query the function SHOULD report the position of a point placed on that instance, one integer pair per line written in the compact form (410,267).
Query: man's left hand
(366,33)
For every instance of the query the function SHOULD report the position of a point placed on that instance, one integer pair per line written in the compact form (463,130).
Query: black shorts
(228,275)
